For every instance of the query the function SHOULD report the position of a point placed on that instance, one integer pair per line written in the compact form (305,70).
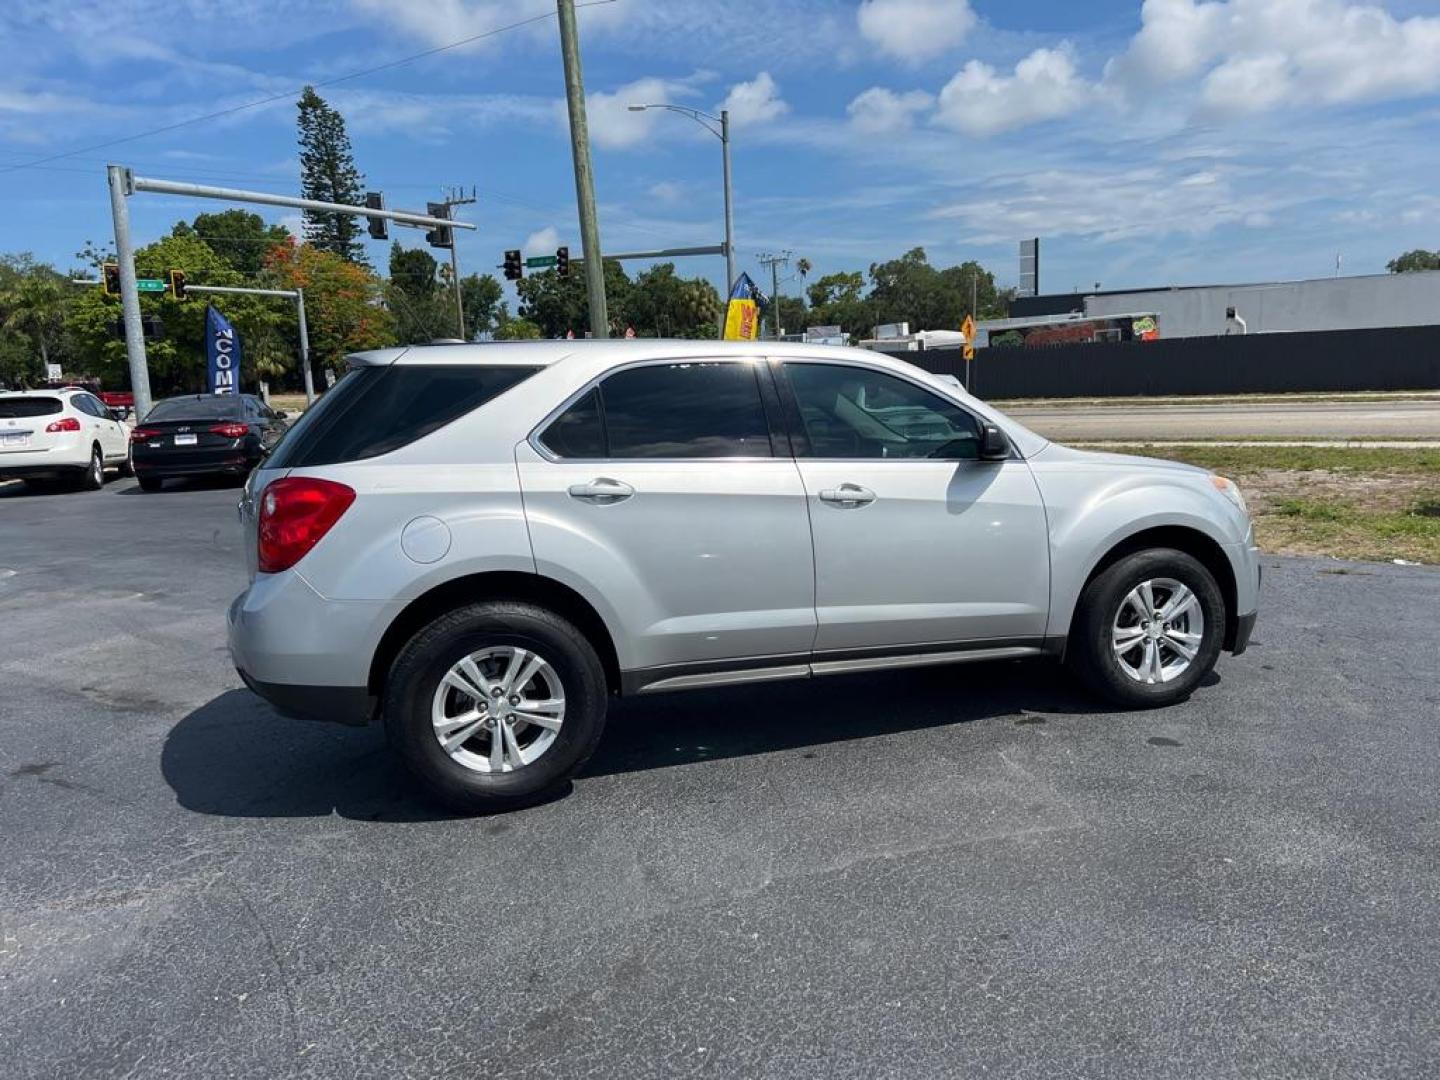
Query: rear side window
(374,410)
(682,410)
(18,408)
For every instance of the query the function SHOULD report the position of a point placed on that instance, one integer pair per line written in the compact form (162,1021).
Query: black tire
(151,483)
(1092,654)
(93,478)
(127,467)
(423,662)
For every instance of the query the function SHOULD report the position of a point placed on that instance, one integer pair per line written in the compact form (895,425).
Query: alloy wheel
(1158,631)
(498,709)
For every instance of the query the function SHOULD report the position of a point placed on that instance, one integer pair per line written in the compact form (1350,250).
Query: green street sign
(539,260)
(146,284)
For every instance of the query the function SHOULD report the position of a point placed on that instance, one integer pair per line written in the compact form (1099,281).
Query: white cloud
(1254,55)
(667,191)
(879,110)
(1136,203)
(915,30)
(980,101)
(755,101)
(612,124)
(542,242)
(441,22)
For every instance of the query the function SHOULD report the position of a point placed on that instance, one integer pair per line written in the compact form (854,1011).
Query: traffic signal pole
(584,177)
(119,179)
(123,184)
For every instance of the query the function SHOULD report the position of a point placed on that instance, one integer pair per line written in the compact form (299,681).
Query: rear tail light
(140,434)
(231,431)
(294,514)
(68,424)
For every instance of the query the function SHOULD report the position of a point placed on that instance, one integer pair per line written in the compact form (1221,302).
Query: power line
(291,93)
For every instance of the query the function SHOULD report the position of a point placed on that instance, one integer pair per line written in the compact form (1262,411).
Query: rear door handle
(848,495)
(602,490)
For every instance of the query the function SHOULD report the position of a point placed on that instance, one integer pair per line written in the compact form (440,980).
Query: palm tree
(802,265)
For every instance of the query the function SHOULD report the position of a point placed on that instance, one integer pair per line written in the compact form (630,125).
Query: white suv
(67,434)
(483,542)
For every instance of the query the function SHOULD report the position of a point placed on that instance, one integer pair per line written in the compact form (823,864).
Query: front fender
(1093,509)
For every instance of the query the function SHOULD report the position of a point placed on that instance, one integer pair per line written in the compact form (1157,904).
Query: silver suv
(482,543)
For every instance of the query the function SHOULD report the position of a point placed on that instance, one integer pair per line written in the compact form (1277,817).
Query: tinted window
(578,432)
(854,412)
(374,410)
(689,410)
(81,402)
(16,408)
(207,407)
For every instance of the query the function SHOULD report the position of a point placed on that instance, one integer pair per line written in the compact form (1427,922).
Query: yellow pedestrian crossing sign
(968,329)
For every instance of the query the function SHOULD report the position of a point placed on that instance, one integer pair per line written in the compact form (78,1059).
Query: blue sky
(1170,141)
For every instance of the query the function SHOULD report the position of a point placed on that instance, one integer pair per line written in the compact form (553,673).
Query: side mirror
(281,414)
(994,446)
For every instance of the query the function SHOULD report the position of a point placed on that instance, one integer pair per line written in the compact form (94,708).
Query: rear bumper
(351,705)
(228,462)
(308,656)
(54,461)
(35,472)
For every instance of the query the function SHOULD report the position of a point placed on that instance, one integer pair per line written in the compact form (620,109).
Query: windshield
(211,407)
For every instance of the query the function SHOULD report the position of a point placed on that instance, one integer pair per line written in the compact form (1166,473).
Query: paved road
(1313,419)
(942,873)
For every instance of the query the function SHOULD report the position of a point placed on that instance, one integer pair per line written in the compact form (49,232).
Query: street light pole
(584,177)
(120,181)
(722,133)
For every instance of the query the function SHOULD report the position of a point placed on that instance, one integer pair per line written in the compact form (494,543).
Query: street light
(722,132)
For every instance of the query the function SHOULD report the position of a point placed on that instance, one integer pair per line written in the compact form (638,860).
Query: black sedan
(204,435)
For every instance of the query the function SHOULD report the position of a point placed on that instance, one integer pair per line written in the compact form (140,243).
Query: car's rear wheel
(93,478)
(1148,628)
(127,467)
(151,483)
(494,706)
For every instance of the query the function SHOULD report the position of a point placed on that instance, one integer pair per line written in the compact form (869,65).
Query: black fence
(1397,358)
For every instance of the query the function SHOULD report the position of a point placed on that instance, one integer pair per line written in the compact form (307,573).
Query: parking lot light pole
(721,132)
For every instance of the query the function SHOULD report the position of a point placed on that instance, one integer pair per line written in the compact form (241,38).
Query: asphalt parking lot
(960,872)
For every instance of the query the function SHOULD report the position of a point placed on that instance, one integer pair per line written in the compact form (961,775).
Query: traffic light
(514,268)
(379,226)
(442,236)
(112,279)
(562,261)
(177,284)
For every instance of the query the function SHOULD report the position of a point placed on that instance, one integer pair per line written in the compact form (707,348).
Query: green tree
(481,295)
(328,174)
(909,289)
(423,310)
(177,361)
(663,304)
(517,330)
(990,302)
(794,315)
(240,238)
(838,300)
(559,304)
(33,299)
(1414,261)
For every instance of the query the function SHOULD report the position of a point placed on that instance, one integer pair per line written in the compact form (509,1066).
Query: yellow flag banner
(742,315)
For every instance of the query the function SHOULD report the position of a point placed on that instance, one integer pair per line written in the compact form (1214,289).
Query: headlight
(1231,491)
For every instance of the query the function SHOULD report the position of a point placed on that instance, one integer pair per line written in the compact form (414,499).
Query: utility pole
(729,203)
(456,197)
(584,178)
(774,261)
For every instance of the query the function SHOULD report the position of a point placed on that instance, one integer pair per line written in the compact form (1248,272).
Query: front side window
(682,410)
(859,413)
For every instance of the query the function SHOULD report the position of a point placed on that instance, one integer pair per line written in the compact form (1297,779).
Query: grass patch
(1248,460)
(1354,503)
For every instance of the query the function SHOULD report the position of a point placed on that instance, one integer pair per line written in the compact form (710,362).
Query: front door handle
(602,490)
(848,495)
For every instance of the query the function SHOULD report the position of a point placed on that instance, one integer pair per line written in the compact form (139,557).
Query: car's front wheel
(495,705)
(1148,628)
